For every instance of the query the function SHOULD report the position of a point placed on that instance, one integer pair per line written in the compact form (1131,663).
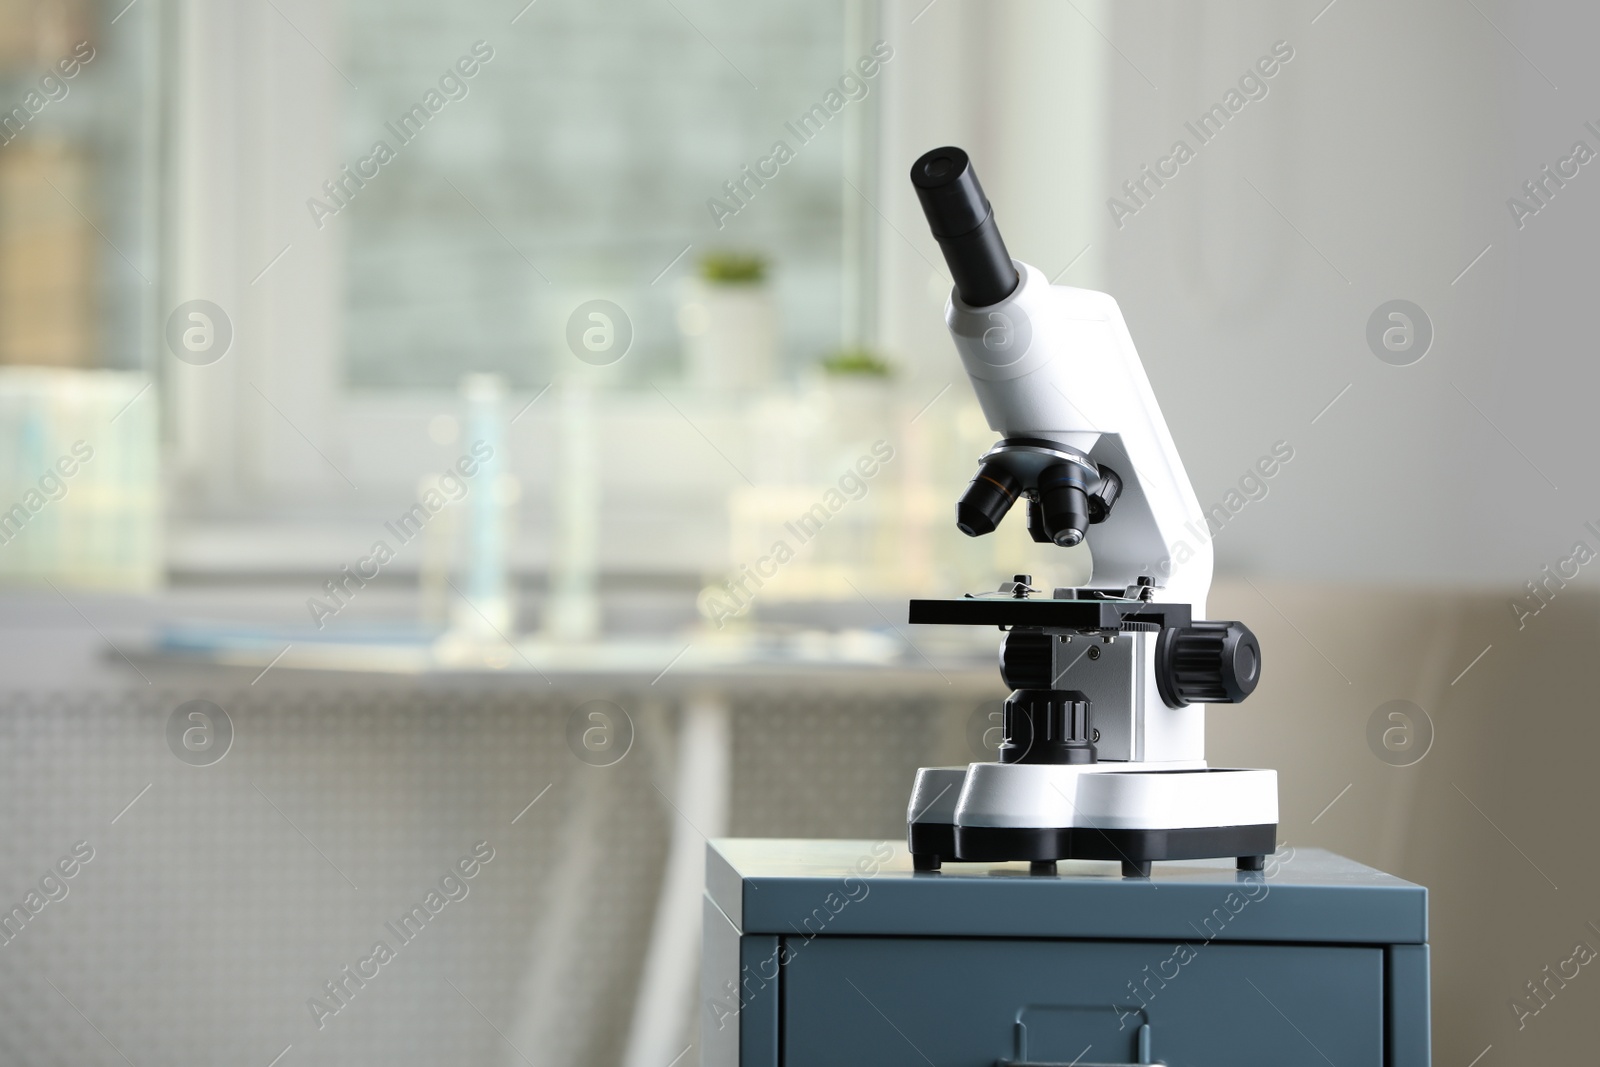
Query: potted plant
(729,324)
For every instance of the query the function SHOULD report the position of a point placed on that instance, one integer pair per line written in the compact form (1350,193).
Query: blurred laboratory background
(436,431)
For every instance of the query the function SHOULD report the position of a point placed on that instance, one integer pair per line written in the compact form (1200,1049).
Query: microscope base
(1132,813)
(999,844)
(933,844)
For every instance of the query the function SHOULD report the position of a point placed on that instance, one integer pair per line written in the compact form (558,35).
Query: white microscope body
(1104,754)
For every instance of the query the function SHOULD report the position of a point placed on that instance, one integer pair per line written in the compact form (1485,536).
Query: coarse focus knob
(1048,726)
(1207,663)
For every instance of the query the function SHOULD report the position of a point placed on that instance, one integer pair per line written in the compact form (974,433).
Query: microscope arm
(1057,376)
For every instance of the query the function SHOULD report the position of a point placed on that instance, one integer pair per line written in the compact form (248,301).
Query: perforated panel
(221,898)
(820,767)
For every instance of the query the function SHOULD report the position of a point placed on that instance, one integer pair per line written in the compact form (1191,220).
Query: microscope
(1103,755)
(824,952)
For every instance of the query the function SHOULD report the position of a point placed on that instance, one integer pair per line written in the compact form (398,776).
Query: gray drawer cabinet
(835,952)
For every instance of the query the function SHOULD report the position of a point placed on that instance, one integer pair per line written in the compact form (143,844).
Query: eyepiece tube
(963,223)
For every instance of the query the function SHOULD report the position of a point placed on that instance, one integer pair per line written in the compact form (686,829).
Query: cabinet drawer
(881,1002)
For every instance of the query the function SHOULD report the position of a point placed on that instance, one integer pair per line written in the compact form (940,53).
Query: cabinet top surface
(863,888)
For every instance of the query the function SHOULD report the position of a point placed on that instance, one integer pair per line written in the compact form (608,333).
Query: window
(530,161)
(579,159)
(77,168)
(79,481)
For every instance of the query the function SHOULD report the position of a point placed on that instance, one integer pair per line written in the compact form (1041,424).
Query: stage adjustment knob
(1207,663)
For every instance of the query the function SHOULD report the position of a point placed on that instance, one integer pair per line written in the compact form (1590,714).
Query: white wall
(1377,167)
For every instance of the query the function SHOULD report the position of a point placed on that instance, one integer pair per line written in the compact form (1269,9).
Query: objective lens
(1105,494)
(989,496)
(1064,503)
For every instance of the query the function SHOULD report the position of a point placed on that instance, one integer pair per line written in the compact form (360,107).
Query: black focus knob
(1207,663)
(1027,659)
(1047,726)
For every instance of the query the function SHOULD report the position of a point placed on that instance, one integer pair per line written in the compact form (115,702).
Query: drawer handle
(1144,1059)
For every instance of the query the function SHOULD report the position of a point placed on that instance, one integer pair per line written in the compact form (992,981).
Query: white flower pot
(730,335)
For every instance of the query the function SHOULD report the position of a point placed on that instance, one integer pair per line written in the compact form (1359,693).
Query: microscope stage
(1053,616)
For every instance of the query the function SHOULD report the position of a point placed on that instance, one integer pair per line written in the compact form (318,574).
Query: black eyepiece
(963,223)
(988,497)
(1064,503)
